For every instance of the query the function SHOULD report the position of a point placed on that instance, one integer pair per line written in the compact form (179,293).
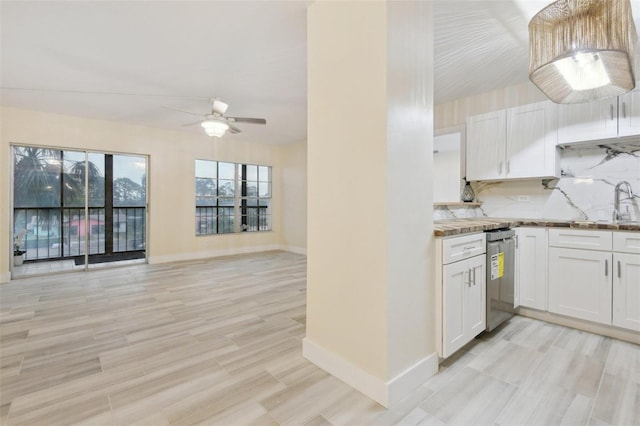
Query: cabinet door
(486,136)
(580,284)
(455,280)
(532,134)
(587,121)
(475,298)
(626,291)
(629,114)
(532,267)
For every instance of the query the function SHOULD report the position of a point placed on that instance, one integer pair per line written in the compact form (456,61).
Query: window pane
(226,188)
(37,174)
(225,220)
(129,181)
(264,174)
(206,220)
(264,190)
(226,202)
(252,189)
(205,192)
(252,173)
(206,169)
(226,171)
(73,178)
(96,180)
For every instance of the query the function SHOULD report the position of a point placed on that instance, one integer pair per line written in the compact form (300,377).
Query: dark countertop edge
(457,226)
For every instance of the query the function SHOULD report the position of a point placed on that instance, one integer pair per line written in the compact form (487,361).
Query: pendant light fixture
(583,50)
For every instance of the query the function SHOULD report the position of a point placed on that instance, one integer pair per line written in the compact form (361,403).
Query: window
(52,189)
(232,197)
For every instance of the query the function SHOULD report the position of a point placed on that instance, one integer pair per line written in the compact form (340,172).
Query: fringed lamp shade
(583,50)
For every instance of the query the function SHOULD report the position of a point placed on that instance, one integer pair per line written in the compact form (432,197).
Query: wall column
(370,300)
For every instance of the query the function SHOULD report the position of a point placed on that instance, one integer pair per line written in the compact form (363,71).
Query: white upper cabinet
(588,121)
(629,114)
(531,141)
(516,143)
(607,119)
(486,140)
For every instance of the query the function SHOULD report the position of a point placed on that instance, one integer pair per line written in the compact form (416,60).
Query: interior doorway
(77,210)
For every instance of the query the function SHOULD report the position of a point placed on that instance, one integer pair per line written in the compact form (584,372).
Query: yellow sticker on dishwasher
(497,266)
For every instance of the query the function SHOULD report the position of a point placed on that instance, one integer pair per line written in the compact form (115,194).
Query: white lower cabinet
(626,291)
(461,291)
(580,284)
(464,308)
(531,270)
(600,280)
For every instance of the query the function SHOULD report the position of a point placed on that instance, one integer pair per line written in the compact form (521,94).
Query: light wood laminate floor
(219,342)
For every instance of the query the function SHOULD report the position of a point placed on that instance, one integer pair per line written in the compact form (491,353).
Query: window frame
(251,213)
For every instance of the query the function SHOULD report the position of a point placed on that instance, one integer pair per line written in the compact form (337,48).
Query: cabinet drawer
(626,242)
(580,239)
(459,248)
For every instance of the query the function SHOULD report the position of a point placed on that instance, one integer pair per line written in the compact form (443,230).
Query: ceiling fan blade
(233,129)
(181,110)
(247,120)
(192,124)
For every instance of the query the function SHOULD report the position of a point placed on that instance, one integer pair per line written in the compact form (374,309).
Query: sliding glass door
(73,209)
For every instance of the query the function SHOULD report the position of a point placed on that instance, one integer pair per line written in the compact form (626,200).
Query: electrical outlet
(524,198)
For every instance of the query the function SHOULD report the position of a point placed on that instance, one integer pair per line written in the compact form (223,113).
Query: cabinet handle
(474,276)
(624,110)
(611,109)
(606,268)
(499,167)
(619,270)
(465,275)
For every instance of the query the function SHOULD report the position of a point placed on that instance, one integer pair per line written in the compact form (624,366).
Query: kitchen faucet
(616,200)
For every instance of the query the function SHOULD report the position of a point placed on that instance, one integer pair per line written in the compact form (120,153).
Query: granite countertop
(444,228)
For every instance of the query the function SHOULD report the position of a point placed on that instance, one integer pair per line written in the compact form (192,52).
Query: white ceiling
(122,61)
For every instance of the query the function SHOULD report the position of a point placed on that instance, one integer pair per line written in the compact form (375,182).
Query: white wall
(346,267)
(171,179)
(455,113)
(294,197)
(370,286)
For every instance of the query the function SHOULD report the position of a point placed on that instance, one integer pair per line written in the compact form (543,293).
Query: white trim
(354,376)
(404,383)
(210,253)
(5,277)
(385,393)
(294,249)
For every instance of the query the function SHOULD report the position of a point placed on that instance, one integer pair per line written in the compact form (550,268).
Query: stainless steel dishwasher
(501,248)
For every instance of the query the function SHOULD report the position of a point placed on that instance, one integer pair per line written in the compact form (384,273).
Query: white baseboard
(385,393)
(294,249)
(5,277)
(210,254)
(404,383)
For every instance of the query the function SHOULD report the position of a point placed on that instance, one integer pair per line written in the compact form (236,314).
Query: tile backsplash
(584,192)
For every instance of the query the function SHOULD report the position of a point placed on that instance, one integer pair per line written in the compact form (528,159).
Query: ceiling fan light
(215,128)
(583,50)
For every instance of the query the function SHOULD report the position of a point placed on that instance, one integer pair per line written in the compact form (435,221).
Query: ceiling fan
(215,123)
